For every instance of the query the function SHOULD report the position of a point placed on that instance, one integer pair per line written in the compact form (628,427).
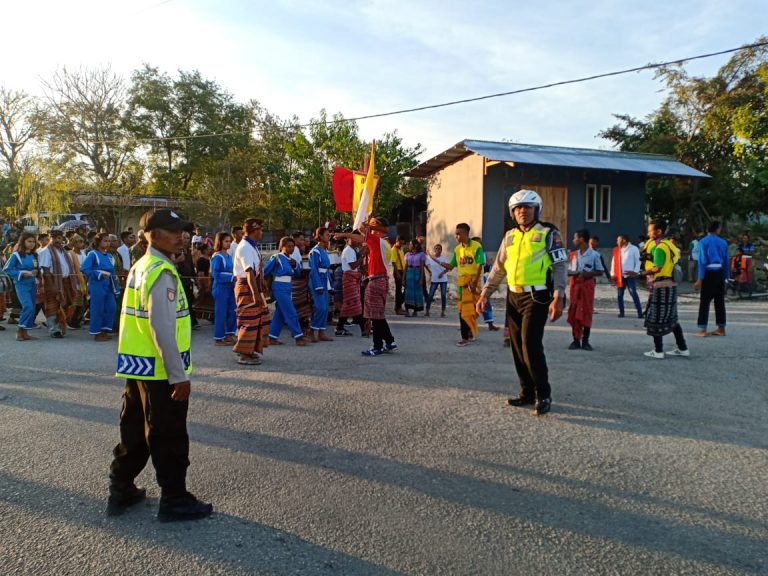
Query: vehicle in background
(44,222)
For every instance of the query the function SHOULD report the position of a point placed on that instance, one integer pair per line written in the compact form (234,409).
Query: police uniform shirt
(162,321)
(557,254)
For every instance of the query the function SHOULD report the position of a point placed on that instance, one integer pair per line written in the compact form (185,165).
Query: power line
(651,66)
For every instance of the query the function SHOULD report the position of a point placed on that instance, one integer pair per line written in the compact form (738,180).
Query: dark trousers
(466,331)
(443,294)
(341,324)
(381,333)
(526,317)
(154,425)
(677,331)
(399,292)
(189,294)
(631,285)
(712,288)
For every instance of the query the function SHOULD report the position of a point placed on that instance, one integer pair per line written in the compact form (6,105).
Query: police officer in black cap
(154,358)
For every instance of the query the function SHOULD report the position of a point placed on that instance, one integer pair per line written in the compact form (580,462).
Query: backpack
(677,271)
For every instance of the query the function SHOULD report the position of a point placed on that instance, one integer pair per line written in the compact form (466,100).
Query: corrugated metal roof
(558,156)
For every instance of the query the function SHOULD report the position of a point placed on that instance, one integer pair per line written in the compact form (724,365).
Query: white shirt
(196,239)
(695,250)
(348,256)
(630,260)
(435,269)
(232,249)
(246,256)
(45,260)
(125,254)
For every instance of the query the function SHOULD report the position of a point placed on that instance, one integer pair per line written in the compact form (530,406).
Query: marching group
(156,277)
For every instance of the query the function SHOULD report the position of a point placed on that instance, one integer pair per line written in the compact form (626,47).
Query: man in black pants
(534,261)
(713,273)
(154,358)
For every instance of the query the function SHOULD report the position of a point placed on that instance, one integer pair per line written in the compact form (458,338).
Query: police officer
(154,357)
(534,261)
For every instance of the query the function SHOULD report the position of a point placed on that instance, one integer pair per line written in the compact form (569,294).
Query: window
(605,203)
(591,215)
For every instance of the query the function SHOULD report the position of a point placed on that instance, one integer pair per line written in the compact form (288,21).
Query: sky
(297,57)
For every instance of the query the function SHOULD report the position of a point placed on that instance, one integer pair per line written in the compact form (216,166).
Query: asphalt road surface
(322,462)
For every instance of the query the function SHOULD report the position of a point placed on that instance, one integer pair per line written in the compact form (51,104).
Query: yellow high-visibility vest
(528,260)
(137,356)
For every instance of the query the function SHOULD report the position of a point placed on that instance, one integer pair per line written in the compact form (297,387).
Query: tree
(18,126)
(188,122)
(706,123)
(83,120)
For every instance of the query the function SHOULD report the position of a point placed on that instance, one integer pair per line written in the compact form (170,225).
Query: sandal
(250,362)
(343,333)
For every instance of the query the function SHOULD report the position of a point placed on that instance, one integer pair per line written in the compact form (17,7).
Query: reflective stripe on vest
(528,260)
(137,355)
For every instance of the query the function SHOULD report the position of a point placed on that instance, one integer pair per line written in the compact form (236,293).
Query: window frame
(605,188)
(590,190)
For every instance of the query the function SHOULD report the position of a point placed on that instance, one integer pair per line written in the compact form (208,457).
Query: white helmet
(525,197)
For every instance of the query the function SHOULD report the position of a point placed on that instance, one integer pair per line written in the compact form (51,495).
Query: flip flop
(251,362)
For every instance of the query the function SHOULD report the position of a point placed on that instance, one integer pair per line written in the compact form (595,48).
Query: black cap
(164,220)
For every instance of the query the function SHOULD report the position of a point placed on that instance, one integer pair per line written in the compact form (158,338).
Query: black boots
(182,507)
(123,497)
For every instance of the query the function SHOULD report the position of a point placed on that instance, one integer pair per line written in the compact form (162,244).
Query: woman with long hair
(204,303)
(224,318)
(103,286)
(415,260)
(23,268)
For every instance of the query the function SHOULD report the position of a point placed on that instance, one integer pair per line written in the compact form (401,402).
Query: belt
(714,266)
(282,279)
(322,270)
(520,289)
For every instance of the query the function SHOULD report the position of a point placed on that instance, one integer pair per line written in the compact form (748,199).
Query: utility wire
(651,66)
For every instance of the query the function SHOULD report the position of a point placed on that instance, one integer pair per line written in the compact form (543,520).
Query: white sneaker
(678,352)
(654,354)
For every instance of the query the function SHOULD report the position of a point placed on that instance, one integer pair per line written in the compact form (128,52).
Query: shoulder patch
(171,294)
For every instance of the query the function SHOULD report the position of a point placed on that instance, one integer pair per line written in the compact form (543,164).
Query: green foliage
(718,125)
(186,137)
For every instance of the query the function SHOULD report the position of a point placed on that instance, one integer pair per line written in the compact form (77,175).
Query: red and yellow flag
(364,191)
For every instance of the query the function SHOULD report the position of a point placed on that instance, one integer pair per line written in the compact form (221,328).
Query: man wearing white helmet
(534,261)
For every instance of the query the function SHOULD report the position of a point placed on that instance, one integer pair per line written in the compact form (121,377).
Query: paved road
(324,462)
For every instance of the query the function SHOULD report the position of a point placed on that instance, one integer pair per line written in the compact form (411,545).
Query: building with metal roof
(601,190)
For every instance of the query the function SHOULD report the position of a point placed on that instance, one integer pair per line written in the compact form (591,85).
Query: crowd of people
(158,284)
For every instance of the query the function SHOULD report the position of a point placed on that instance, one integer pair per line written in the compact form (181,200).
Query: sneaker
(390,347)
(520,401)
(542,406)
(678,352)
(372,352)
(575,345)
(462,343)
(654,354)
(586,346)
(184,507)
(120,500)
(343,332)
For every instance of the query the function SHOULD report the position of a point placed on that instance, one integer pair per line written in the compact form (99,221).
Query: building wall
(455,195)
(627,200)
